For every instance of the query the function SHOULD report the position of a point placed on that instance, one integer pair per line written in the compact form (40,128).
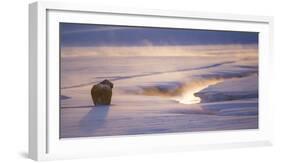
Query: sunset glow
(129,80)
(188,96)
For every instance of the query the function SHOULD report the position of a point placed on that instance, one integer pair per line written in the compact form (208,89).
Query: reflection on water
(188,97)
(183,93)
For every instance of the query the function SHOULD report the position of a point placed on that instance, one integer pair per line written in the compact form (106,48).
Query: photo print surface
(125,80)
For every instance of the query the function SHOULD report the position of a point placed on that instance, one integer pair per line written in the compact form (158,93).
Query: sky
(90,35)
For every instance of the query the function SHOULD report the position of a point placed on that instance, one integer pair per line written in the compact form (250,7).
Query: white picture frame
(44,143)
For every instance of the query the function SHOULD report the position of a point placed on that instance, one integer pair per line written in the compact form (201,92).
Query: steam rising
(184,93)
(233,50)
(188,97)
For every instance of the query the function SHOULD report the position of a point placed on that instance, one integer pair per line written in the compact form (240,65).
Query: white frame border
(38,126)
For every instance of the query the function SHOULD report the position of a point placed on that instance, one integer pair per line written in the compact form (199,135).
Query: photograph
(133,80)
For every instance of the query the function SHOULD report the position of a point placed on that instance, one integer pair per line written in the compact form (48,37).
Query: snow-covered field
(198,88)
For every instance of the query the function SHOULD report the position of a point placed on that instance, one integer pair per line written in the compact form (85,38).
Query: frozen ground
(160,94)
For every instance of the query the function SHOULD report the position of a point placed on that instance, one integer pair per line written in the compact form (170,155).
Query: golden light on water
(188,96)
(185,94)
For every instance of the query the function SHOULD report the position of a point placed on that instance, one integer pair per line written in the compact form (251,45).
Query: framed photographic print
(110,81)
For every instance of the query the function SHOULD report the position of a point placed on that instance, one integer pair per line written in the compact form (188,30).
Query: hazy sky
(80,35)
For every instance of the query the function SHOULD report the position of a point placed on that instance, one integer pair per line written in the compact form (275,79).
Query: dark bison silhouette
(102,93)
